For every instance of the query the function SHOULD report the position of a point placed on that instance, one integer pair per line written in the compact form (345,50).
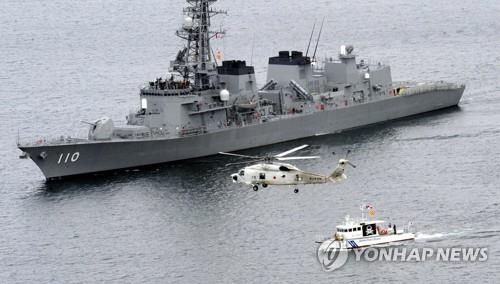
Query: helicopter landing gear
(264,185)
(296,190)
(255,187)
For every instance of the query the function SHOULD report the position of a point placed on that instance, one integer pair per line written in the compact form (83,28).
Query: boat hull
(56,161)
(365,242)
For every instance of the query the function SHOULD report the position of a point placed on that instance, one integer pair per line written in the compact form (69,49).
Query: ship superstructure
(202,107)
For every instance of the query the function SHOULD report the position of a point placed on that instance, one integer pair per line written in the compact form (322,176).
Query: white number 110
(68,157)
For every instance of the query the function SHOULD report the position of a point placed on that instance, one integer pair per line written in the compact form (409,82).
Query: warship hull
(63,160)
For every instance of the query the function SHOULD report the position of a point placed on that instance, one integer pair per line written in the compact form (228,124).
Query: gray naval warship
(203,107)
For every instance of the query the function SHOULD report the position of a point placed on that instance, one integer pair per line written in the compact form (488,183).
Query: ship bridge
(161,87)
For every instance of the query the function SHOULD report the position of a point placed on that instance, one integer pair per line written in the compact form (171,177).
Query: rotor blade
(241,163)
(352,165)
(347,154)
(297,158)
(238,155)
(291,151)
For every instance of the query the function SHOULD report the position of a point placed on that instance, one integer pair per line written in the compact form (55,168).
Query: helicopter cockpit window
(262,176)
(284,169)
(242,173)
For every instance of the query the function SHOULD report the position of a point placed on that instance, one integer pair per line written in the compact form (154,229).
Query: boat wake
(436,237)
(493,233)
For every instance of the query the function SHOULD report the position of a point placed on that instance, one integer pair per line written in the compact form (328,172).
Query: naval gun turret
(102,129)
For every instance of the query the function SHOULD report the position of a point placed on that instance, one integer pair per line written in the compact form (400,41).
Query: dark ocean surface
(65,61)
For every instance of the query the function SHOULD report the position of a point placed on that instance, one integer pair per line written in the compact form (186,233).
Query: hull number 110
(68,157)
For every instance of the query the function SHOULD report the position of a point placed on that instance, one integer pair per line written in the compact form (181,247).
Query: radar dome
(224,95)
(169,76)
(188,23)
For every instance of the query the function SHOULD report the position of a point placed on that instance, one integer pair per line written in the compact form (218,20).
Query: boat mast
(194,63)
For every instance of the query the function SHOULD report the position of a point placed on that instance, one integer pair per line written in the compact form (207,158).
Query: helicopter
(271,171)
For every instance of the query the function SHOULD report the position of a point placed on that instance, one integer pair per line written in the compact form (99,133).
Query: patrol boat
(365,232)
(202,106)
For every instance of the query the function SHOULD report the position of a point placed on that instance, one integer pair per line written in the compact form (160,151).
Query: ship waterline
(70,159)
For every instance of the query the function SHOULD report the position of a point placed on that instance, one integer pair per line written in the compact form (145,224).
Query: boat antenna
(253,47)
(310,38)
(319,36)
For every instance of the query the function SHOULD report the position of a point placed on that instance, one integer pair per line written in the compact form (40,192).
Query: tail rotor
(345,160)
(338,173)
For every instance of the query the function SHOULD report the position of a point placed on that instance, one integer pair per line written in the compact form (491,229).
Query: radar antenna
(197,66)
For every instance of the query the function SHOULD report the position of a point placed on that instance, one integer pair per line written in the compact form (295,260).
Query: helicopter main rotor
(270,159)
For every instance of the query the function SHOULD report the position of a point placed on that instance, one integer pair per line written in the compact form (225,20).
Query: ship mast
(194,62)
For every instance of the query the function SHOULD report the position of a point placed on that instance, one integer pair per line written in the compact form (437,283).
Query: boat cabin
(354,230)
